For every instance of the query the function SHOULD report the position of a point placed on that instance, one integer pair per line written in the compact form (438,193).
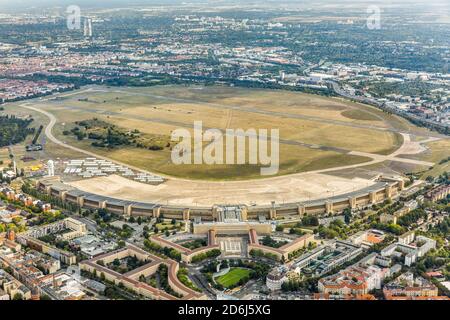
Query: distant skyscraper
(51,168)
(88,27)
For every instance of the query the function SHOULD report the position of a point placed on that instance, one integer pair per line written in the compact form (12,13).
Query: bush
(183,277)
(310,221)
(206,255)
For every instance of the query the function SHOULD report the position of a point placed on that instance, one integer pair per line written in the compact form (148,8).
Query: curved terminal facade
(383,189)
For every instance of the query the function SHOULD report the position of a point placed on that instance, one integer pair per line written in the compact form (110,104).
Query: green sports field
(232,278)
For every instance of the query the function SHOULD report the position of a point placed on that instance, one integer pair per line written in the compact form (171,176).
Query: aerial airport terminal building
(385,188)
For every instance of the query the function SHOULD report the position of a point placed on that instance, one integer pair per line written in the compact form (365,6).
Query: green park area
(235,277)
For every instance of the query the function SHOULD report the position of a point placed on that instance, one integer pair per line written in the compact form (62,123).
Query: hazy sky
(20,4)
(44,3)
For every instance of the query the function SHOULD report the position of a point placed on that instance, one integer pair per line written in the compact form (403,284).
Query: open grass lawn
(232,277)
(4,156)
(293,159)
(300,118)
(438,150)
(359,115)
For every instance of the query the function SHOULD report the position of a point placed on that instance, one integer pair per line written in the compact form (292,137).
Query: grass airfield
(329,146)
(311,127)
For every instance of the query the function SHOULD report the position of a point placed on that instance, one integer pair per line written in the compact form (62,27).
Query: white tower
(88,27)
(51,168)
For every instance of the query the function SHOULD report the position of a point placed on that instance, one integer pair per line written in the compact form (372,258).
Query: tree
(18,296)
(347,215)
(310,221)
